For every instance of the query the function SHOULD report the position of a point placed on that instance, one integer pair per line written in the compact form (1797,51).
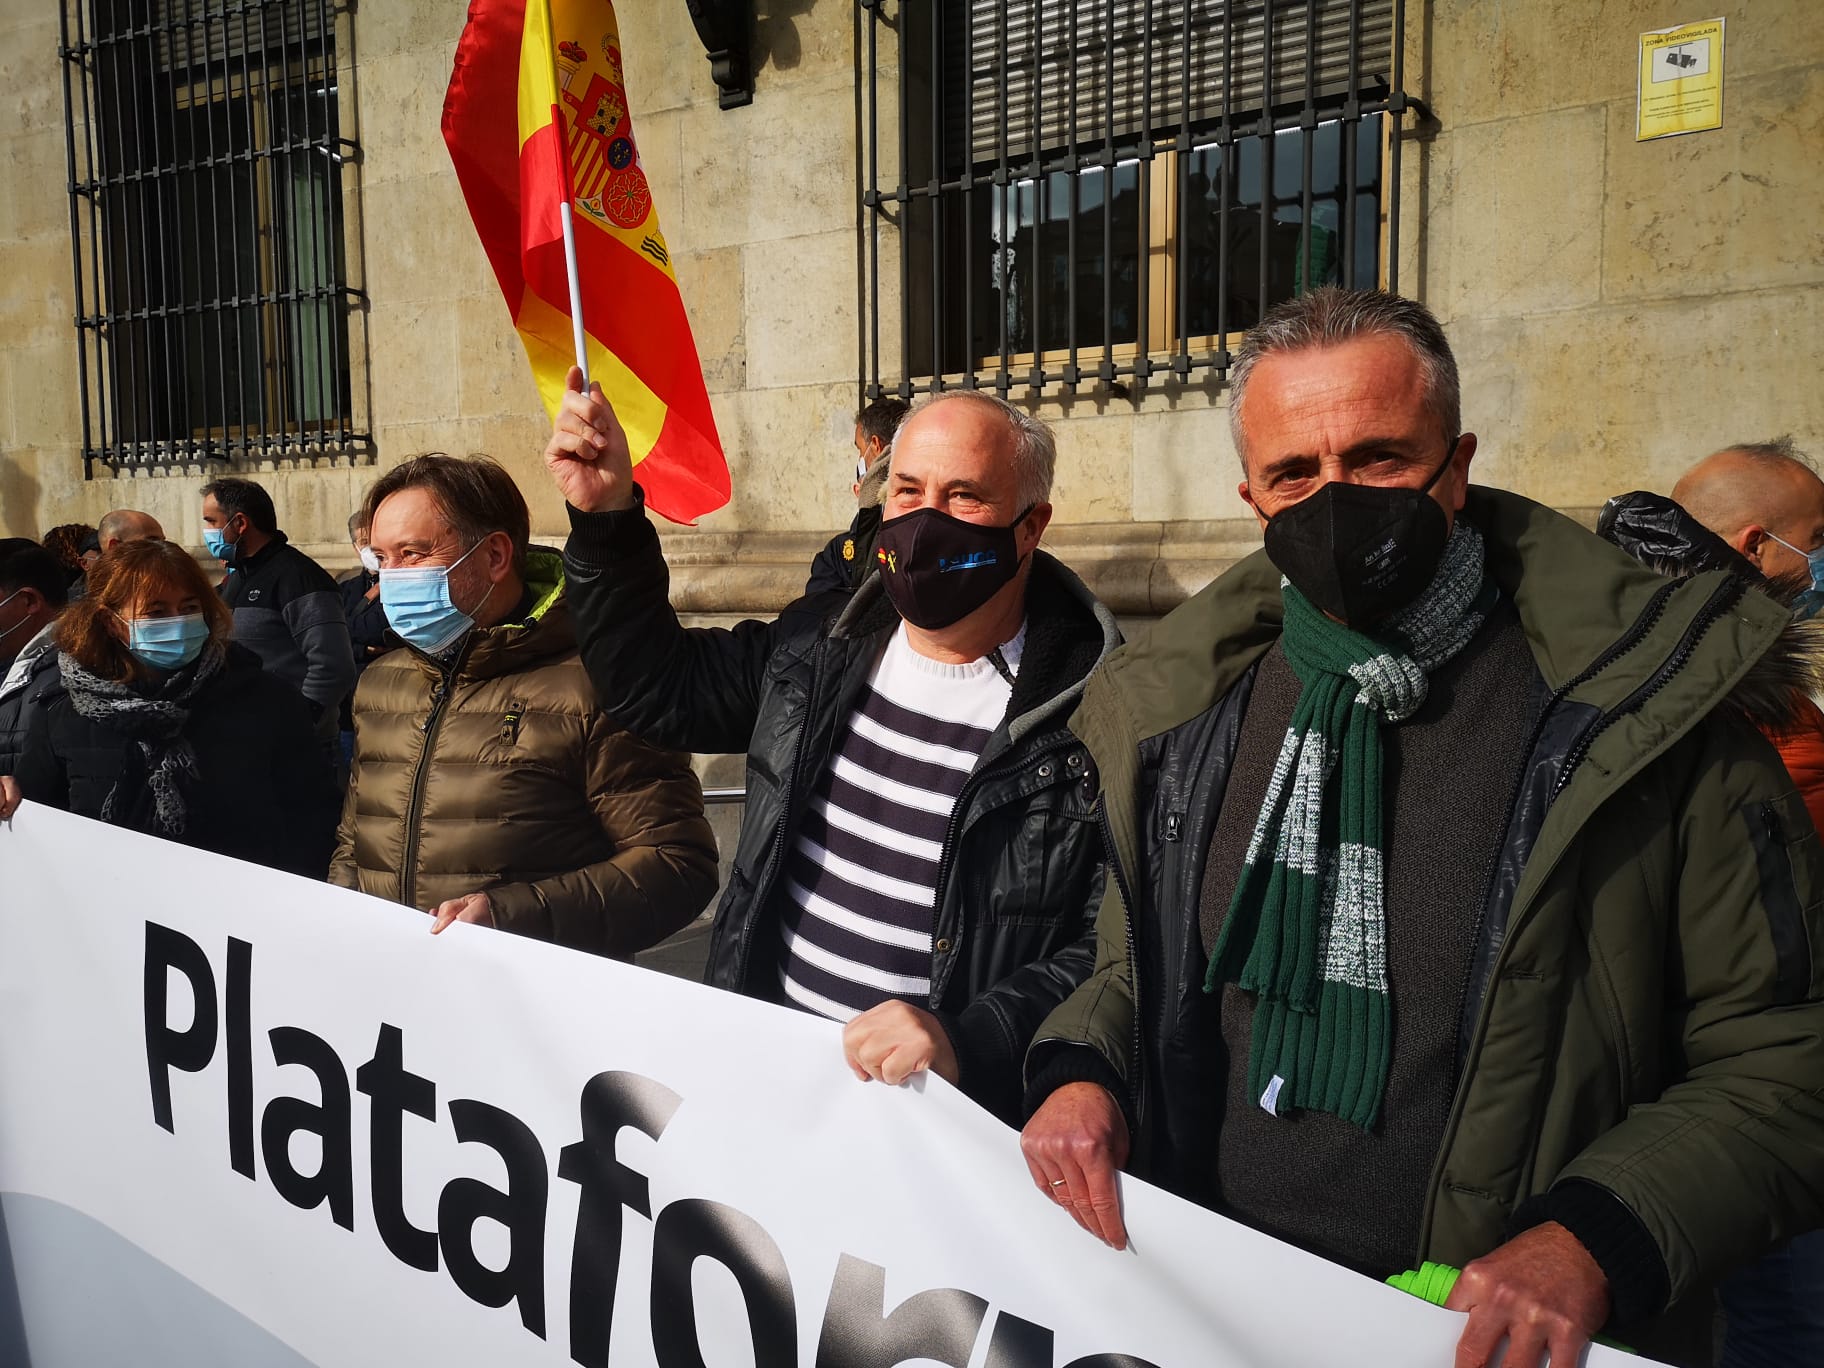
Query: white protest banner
(249,1120)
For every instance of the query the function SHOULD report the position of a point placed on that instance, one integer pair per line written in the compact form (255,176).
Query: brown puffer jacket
(501,775)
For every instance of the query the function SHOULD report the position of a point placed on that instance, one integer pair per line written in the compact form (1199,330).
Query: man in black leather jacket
(919,855)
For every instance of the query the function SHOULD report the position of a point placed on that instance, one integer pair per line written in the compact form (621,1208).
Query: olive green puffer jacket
(500,774)
(1646,1015)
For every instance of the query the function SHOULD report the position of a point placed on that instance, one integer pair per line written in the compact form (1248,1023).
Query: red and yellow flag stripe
(557,65)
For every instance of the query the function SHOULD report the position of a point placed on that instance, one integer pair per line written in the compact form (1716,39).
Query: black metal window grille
(1102,192)
(206,169)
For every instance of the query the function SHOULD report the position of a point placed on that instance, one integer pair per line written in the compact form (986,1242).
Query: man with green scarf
(1454,914)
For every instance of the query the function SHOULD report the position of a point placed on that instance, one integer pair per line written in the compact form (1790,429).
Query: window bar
(288,262)
(234,379)
(1034,289)
(331,313)
(69,145)
(904,199)
(262,298)
(1143,365)
(298,297)
(1106,370)
(1073,177)
(107,362)
(124,314)
(143,185)
(307,250)
(1229,177)
(870,298)
(1396,115)
(1265,134)
(936,203)
(180,185)
(970,355)
(1307,124)
(1002,380)
(165,362)
(1181,348)
(874,188)
(326,302)
(211,311)
(1352,127)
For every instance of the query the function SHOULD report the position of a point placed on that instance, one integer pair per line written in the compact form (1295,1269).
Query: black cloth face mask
(938,569)
(1361,552)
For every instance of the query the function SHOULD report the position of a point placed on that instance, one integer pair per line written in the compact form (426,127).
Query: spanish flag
(536,118)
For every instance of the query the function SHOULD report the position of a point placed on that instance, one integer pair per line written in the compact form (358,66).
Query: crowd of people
(1441,883)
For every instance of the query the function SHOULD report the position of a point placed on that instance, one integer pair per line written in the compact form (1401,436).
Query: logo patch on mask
(888,559)
(974,560)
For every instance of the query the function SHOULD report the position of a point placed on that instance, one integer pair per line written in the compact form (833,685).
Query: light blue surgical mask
(216,539)
(8,631)
(1814,559)
(168,643)
(419,608)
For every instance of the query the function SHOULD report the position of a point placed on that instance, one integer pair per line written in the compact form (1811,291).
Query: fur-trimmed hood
(1660,534)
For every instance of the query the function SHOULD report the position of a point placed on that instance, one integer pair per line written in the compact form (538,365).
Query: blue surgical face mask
(419,608)
(1815,559)
(216,539)
(6,632)
(167,643)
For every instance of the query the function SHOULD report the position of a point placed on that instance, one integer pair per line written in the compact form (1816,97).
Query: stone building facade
(1618,308)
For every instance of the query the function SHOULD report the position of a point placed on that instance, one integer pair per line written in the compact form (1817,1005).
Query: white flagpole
(576,288)
(577,335)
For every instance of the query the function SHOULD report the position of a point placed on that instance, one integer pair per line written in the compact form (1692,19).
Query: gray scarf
(153,718)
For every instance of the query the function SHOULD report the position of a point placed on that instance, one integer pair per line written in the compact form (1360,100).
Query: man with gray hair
(919,856)
(1445,922)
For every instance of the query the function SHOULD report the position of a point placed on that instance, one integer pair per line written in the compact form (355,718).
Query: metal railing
(1099,192)
(206,162)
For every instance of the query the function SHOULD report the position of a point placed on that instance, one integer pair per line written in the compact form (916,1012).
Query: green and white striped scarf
(1307,929)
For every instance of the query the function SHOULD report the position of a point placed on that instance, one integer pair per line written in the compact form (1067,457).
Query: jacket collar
(1576,595)
(506,647)
(1069,632)
(37,654)
(274,540)
(1600,626)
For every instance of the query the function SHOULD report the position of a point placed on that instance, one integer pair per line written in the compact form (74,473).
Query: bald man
(127,525)
(1764,499)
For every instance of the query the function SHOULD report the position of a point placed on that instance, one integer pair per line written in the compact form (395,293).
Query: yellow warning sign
(1681,80)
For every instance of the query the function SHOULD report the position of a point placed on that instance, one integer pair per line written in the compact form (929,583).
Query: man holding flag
(919,855)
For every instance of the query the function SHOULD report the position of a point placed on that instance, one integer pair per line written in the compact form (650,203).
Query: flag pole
(577,334)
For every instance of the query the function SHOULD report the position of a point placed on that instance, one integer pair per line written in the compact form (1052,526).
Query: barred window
(206,160)
(1098,192)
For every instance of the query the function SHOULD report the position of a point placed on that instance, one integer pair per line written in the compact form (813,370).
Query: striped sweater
(862,881)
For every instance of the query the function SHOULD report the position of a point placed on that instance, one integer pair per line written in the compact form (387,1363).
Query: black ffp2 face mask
(938,569)
(1361,552)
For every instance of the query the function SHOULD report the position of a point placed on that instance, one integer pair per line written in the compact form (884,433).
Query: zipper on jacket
(953,833)
(1133,958)
(763,885)
(408,871)
(1627,641)
(1726,596)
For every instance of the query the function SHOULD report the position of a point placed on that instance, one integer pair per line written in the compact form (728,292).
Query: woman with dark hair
(76,546)
(166,726)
